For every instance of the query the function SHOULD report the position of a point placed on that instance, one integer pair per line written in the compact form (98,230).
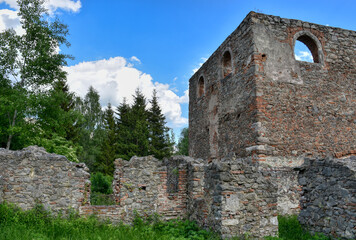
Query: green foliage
(39,224)
(57,144)
(92,131)
(160,145)
(105,161)
(183,144)
(101,183)
(97,198)
(289,228)
(30,65)
(142,132)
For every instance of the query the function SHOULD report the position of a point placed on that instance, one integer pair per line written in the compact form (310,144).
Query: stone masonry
(256,114)
(33,176)
(329,196)
(252,98)
(233,196)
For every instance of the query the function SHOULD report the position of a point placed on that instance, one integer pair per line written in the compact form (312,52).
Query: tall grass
(40,225)
(289,228)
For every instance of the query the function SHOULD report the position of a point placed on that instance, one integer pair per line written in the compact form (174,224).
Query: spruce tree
(105,162)
(92,129)
(159,141)
(140,132)
(133,128)
(124,131)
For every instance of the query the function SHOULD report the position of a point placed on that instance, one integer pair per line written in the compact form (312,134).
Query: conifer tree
(159,141)
(140,124)
(105,162)
(92,129)
(125,146)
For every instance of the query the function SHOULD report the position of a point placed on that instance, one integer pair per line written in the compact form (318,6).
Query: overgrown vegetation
(289,228)
(38,108)
(183,143)
(40,224)
(101,191)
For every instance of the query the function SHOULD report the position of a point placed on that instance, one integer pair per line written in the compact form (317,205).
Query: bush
(290,228)
(97,198)
(39,224)
(101,183)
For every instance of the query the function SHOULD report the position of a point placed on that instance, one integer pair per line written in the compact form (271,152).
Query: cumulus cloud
(66,5)
(10,19)
(116,78)
(304,56)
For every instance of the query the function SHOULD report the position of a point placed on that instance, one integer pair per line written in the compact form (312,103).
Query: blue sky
(119,45)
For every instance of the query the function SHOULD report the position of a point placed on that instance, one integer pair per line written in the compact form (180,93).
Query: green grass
(39,224)
(289,228)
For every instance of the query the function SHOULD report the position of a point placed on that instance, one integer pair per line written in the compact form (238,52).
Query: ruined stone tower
(253,98)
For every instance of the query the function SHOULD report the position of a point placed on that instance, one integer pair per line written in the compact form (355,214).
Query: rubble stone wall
(147,185)
(304,108)
(33,176)
(329,196)
(272,104)
(220,119)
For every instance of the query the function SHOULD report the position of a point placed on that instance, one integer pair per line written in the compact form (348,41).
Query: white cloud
(116,78)
(304,56)
(10,19)
(135,59)
(66,5)
(11,3)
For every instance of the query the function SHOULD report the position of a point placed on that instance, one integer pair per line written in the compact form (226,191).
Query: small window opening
(201,86)
(305,49)
(226,63)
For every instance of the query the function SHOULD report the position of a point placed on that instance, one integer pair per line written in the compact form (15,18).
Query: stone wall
(33,176)
(305,108)
(219,119)
(272,104)
(233,196)
(329,196)
(147,185)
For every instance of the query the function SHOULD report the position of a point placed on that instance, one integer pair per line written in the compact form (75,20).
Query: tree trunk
(12,125)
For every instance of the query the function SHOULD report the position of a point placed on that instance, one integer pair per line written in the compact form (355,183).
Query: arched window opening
(201,87)
(226,63)
(305,49)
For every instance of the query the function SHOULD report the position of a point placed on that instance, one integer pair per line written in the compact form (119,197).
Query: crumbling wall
(234,197)
(304,108)
(147,185)
(329,196)
(219,119)
(33,176)
(272,104)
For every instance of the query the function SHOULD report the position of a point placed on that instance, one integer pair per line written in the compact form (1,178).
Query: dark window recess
(201,87)
(226,63)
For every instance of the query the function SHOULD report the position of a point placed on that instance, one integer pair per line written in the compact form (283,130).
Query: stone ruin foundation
(268,135)
(234,196)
